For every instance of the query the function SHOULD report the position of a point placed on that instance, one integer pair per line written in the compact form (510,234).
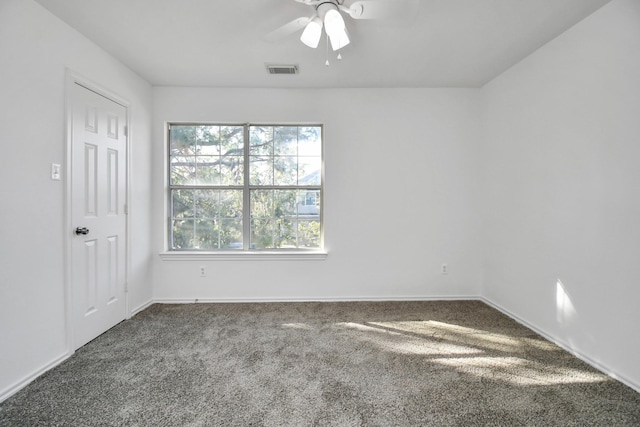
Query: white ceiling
(443,43)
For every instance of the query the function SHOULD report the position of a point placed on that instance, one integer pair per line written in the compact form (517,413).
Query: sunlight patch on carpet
(398,342)
(303,326)
(520,371)
(471,336)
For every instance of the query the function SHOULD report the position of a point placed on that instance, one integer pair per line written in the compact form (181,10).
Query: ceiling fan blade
(389,10)
(287,29)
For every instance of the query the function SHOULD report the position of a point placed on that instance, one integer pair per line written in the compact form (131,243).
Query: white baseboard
(564,345)
(19,385)
(314,299)
(141,307)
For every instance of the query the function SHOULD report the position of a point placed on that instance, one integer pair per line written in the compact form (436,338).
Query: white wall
(550,193)
(400,194)
(561,186)
(35,49)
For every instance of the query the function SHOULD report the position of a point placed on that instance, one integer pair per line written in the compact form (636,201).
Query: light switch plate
(55,172)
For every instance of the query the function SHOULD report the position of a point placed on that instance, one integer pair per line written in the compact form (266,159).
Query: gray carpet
(322,364)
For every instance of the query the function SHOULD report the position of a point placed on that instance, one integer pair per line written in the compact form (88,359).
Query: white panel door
(98,217)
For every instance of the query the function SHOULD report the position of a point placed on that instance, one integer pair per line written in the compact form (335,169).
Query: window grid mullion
(246,194)
(206,187)
(195,215)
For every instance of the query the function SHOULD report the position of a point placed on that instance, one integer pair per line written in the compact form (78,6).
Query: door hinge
(126,209)
(126,130)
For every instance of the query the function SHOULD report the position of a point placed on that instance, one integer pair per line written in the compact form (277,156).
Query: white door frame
(73,78)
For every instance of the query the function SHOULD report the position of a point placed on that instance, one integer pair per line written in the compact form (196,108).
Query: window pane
(183,233)
(261,204)
(261,233)
(218,234)
(206,219)
(285,140)
(308,234)
(208,138)
(182,155)
(231,170)
(261,170)
(208,170)
(182,172)
(261,140)
(285,214)
(274,219)
(207,234)
(285,171)
(285,203)
(230,204)
(218,204)
(286,236)
(231,140)
(231,234)
(309,141)
(309,203)
(232,151)
(262,228)
(182,205)
(183,140)
(309,170)
(207,203)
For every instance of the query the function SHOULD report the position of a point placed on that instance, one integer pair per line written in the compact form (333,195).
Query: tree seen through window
(245,187)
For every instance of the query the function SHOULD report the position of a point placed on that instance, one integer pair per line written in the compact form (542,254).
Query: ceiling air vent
(282,69)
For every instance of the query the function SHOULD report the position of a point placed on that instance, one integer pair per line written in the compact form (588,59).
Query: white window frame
(246,253)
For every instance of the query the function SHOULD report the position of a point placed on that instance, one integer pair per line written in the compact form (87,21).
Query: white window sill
(238,256)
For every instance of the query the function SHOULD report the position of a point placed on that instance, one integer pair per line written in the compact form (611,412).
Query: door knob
(82,230)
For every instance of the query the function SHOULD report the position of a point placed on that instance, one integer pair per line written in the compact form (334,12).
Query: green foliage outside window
(209,187)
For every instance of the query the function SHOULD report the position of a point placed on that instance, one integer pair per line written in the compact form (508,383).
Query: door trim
(73,78)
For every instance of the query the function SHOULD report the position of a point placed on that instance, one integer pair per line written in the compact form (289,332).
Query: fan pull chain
(326,63)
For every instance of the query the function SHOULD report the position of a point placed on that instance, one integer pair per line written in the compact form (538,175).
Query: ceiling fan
(328,15)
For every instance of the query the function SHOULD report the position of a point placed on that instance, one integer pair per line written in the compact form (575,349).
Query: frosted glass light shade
(312,33)
(339,39)
(333,21)
(335,28)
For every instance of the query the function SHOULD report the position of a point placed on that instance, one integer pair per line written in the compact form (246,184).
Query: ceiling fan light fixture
(339,39)
(333,22)
(336,30)
(312,33)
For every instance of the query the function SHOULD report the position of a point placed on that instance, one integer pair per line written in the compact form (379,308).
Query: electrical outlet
(444,269)
(203,271)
